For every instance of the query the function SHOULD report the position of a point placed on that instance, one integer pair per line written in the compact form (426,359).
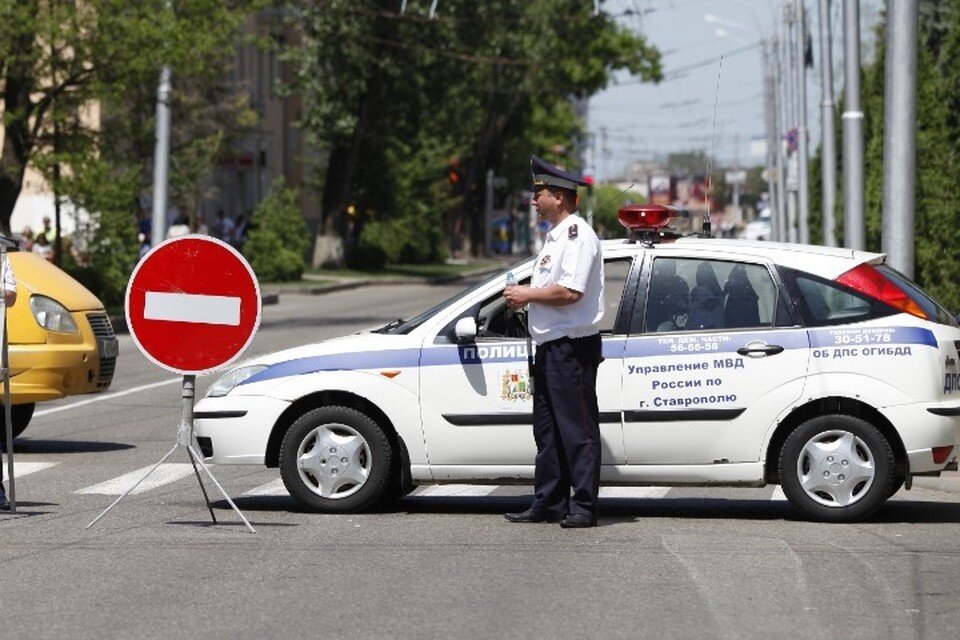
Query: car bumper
(922,429)
(235,429)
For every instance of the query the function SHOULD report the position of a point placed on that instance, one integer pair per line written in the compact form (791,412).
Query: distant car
(727,362)
(61,342)
(758,229)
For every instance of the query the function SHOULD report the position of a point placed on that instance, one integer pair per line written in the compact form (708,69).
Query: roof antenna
(706,231)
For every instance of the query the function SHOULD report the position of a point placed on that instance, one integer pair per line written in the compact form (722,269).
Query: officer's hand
(517,296)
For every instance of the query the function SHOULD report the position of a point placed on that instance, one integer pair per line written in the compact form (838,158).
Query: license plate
(108,347)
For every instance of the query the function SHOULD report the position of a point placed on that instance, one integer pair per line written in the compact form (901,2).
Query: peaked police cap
(547,175)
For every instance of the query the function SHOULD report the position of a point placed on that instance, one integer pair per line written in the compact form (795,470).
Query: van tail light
(871,282)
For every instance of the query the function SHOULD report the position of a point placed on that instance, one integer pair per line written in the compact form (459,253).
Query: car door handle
(766,350)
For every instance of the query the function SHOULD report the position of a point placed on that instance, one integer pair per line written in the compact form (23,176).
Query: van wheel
(837,468)
(336,460)
(20,415)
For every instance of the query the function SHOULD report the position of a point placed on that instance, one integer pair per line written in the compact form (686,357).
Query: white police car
(727,363)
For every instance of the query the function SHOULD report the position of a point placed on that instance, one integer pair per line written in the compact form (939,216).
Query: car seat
(706,300)
(741,308)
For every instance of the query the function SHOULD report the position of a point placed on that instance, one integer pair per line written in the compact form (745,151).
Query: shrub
(278,239)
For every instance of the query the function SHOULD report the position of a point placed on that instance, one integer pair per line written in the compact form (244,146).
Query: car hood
(39,276)
(360,351)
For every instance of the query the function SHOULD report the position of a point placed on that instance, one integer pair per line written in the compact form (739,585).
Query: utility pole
(828,130)
(803,187)
(770,115)
(900,138)
(161,159)
(789,54)
(854,229)
(779,113)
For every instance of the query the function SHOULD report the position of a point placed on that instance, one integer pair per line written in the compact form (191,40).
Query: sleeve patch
(572,232)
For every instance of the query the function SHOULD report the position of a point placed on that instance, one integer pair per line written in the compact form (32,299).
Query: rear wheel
(837,468)
(336,459)
(20,415)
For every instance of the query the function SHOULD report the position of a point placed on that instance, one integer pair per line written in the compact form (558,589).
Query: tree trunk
(17,141)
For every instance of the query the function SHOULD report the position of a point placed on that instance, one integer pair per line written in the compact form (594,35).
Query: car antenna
(706,231)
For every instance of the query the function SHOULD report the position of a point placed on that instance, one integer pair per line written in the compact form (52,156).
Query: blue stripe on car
(613,348)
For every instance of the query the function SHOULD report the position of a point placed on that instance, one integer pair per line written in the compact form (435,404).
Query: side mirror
(466,329)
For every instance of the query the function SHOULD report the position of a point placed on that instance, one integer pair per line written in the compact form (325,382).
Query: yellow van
(60,339)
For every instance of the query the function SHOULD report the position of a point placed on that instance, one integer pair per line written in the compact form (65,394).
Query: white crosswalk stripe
(165,474)
(633,492)
(21,469)
(455,491)
(274,488)
(778,493)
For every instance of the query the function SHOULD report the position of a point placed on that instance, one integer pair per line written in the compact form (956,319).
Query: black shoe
(533,515)
(578,521)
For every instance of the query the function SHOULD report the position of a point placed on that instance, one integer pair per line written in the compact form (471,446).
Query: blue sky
(632,121)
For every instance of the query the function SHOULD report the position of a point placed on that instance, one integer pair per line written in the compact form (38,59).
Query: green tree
(485,83)
(278,239)
(60,57)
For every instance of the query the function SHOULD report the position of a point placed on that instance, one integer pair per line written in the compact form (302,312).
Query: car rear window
(934,310)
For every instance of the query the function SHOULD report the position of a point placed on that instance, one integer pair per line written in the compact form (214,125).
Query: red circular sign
(193,304)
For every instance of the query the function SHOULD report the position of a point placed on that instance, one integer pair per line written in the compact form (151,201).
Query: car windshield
(406,326)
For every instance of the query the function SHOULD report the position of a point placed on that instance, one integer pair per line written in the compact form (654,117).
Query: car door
(476,402)
(716,359)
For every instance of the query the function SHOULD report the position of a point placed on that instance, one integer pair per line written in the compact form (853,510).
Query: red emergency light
(647,220)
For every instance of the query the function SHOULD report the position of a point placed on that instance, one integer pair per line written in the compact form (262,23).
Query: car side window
(495,320)
(687,294)
(823,302)
(616,274)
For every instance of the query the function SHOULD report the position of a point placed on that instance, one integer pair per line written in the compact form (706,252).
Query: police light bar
(645,218)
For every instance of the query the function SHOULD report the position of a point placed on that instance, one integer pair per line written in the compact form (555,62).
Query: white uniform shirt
(571,257)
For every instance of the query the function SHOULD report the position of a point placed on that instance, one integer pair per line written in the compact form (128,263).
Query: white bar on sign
(189,307)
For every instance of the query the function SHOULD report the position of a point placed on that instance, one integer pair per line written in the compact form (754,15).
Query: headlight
(51,315)
(231,379)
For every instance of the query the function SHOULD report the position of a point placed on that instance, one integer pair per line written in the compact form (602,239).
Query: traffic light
(453,172)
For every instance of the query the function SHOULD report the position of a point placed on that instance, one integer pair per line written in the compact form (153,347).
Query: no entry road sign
(193,304)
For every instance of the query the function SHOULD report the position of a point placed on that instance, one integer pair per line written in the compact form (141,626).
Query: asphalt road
(677,563)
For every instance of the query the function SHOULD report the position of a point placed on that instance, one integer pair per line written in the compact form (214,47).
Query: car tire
(837,468)
(20,415)
(336,460)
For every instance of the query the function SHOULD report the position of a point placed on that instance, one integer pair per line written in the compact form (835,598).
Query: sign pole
(5,370)
(184,441)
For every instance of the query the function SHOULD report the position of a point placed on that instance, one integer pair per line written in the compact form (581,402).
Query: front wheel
(336,460)
(837,468)
(20,415)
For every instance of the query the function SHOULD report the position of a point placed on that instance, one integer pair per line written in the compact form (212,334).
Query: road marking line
(274,488)
(165,474)
(108,396)
(454,491)
(21,469)
(778,493)
(634,492)
(190,307)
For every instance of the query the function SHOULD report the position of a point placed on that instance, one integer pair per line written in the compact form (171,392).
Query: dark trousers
(566,426)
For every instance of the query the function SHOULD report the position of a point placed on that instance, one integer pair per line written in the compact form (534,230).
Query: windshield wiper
(393,324)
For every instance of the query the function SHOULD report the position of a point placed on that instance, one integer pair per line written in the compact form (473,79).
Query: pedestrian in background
(9,293)
(565,298)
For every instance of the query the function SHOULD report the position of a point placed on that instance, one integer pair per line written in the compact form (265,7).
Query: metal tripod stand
(184,441)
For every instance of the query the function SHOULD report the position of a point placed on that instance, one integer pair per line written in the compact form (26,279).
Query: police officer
(9,292)
(565,299)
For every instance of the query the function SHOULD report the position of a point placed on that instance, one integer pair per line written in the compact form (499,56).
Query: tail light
(868,281)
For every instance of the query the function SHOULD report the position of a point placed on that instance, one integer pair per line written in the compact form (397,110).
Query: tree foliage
(278,239)
(397,100)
